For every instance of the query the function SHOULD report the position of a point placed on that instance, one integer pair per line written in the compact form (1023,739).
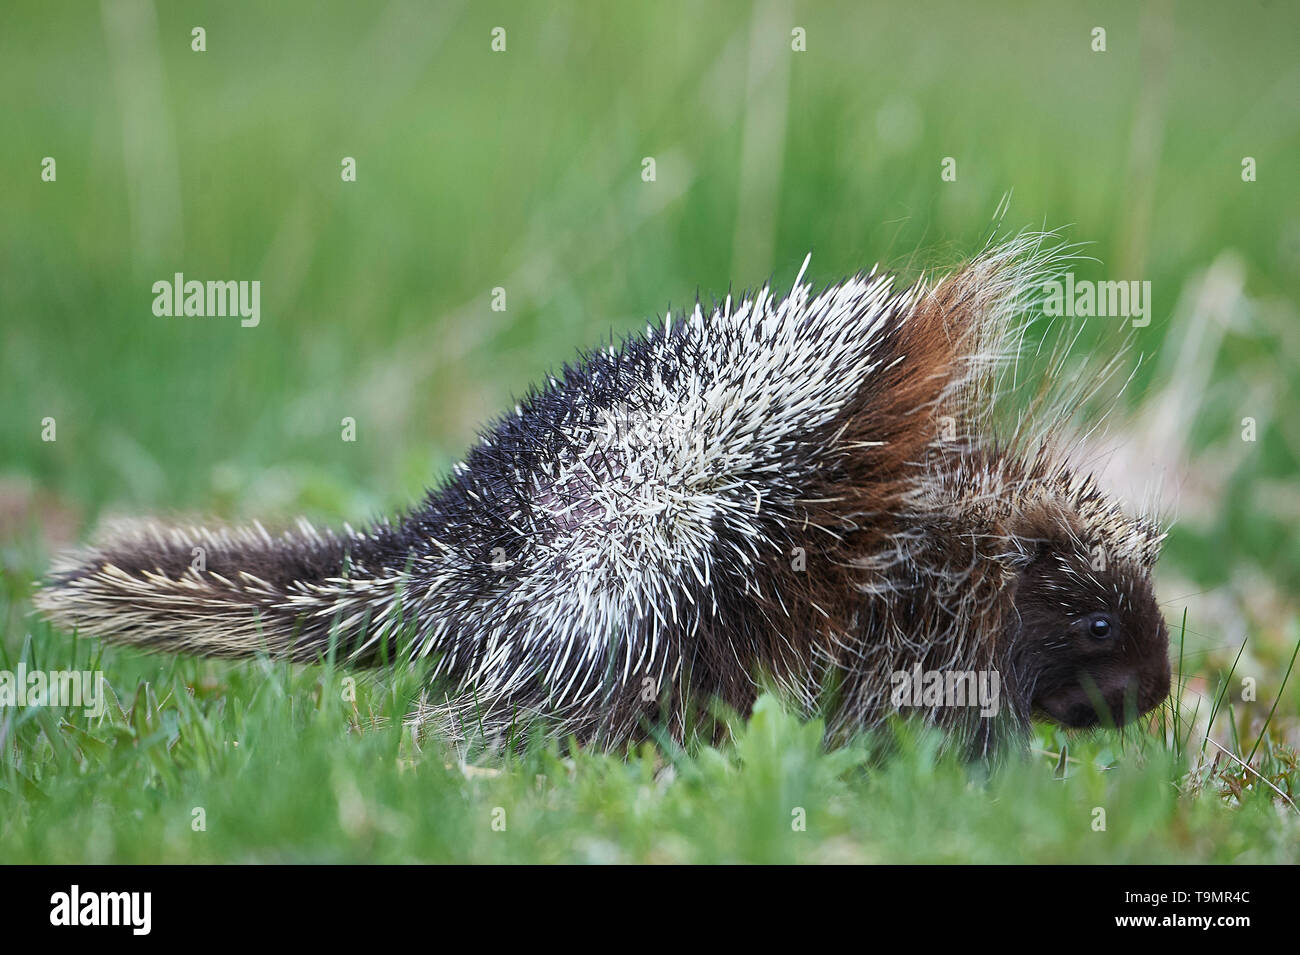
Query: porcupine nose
(1148,681)
(1134,695)
(1115,701)
(1153,686)
(1137,694)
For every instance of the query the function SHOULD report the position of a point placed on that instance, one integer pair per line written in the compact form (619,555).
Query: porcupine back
(729,497)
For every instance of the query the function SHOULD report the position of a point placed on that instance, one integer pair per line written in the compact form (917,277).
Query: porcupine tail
(229,592)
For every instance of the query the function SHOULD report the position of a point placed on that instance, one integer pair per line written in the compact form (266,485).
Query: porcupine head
(617,549)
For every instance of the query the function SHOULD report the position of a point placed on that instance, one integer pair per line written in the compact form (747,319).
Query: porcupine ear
(1034,533)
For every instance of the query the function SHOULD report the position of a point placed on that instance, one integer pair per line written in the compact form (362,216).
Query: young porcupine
(807,493)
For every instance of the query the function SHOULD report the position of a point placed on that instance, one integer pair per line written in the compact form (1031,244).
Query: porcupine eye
(1099,626)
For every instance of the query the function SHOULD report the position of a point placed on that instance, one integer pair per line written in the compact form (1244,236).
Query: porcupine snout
(1123,698)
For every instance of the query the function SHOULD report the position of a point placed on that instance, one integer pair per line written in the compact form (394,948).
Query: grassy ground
(197,761)
(523,170)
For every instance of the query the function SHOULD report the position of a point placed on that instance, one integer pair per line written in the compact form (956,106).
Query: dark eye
(1099,626)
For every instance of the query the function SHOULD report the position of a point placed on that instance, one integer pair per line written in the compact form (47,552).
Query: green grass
(282,768)
(522,170)
(204,761)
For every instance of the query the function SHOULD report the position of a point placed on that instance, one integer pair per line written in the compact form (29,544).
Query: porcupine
(804,493)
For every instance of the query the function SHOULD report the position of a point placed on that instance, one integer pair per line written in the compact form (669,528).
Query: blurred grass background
(522,170)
